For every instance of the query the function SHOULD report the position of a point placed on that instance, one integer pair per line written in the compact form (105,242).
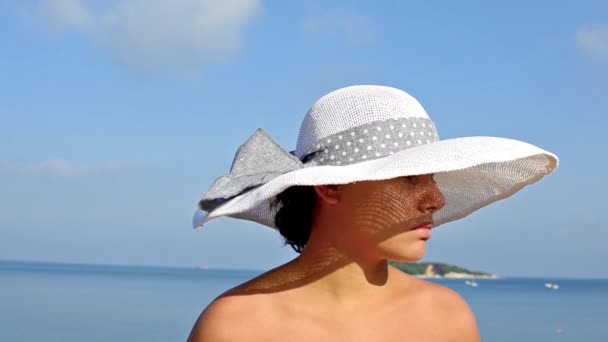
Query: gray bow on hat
(257,161)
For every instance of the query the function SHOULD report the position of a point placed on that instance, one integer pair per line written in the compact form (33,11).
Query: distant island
(440,270)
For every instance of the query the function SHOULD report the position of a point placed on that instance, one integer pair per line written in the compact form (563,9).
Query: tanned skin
(341,287)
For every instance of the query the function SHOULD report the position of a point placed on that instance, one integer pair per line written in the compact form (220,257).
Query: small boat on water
(552,286)
(471,283)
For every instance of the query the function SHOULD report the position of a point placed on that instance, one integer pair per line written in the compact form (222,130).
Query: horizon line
(210,268)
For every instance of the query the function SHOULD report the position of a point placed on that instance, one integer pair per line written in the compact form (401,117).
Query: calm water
(68,303)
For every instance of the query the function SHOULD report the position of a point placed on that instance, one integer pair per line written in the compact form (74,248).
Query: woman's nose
(433,199)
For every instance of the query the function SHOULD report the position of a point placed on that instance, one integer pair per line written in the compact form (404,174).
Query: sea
(55,302)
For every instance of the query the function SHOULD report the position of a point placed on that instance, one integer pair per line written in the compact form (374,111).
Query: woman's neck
(340,276)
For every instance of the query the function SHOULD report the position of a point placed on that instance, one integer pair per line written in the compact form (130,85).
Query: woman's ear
(329,194)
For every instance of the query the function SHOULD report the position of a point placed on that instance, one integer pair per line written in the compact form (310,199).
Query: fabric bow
(257,161)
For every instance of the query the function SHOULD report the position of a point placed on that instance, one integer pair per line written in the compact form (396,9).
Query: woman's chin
(407,252)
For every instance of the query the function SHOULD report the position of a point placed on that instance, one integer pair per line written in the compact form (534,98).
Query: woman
(367,182)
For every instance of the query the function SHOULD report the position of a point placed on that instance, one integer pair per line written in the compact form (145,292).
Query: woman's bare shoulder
(454,313)
(451,314)
(237,312)
(229,318)
(441,296)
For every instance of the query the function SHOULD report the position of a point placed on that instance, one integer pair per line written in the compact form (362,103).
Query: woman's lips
(424,231)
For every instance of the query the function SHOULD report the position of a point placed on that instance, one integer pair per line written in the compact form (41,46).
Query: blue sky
(117,116)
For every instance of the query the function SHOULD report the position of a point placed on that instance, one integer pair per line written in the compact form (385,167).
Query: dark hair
(294,218)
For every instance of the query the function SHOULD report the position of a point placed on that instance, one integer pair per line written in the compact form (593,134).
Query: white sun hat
(372,132)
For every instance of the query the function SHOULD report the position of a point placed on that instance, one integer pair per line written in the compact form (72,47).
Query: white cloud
(354,29)
(66,14)
(55,167)
(159,34)
(593,40)
(65,168)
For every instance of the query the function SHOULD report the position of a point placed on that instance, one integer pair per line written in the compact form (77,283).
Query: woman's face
(385,216)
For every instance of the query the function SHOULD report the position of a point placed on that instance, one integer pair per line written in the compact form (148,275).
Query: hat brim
(471,172)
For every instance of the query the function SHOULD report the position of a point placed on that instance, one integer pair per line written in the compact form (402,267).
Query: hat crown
(351,107)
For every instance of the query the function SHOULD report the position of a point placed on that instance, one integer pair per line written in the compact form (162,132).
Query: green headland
(440,270)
